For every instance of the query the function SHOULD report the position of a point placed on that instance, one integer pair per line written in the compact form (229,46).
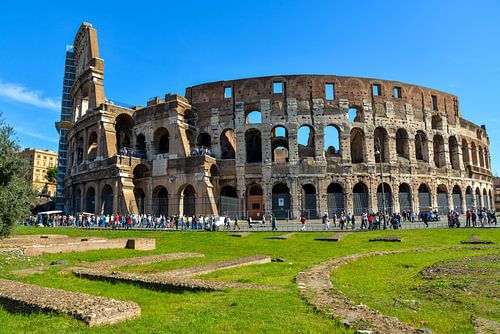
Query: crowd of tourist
(344,220)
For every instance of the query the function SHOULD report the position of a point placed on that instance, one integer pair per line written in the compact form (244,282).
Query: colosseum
(285,145)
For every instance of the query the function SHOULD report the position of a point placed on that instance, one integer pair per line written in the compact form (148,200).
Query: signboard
(281,201)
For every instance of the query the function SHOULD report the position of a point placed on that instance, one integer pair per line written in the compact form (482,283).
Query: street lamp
(379,154)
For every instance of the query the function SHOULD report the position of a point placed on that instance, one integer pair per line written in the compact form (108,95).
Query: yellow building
(40,161)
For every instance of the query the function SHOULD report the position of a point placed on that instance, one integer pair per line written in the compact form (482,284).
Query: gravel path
(93,310)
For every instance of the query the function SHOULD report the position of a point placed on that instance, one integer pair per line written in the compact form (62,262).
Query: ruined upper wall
(306,88)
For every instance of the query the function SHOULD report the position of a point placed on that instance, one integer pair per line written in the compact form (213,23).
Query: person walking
(326,221)
(426,220)
(273,223)
(249,222)
(236,223)
(353,222)
(303,221)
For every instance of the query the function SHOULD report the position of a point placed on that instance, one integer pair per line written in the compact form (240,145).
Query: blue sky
(151,48)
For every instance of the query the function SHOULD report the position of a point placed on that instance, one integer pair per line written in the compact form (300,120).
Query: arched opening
(331,141)
(402,146)
(485,199)
(309,208)
(424,198)
(457,199)
(77,205)
(421,147)
(360,198)
(454,152)
(478,198)
(436,122)
(90,200)
(469,198)
(442,200)
(188,201)
(228,144)
(253,117)
(481,156)
(123,128)
(335,198)
(305,140)
(161,139)
(140,144)
(357,145)
(279,144)
(229,203)
(354,115)
(281,201)
(141,171)
(253,143)
(204,140)
(107,200)
(405,200)
(465,152)
(381,144)
(160,201)
(79,151)
(140,197)
(439,151)
(255,201)
(384,198)
(92,146)
(474,153)
(486,158)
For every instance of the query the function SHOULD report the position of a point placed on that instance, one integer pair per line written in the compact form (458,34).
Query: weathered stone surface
(211,267)
(390,238)
(474,240)
(161,282)
(93,310)
(107,264)
(424,142)
(334,237)
(37,245)
(485,326)
(281,236)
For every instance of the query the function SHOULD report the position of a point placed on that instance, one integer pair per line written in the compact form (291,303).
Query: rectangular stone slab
(211,267)
(334,237)
(281,236)
(138,260)
(239,235)
(93,310)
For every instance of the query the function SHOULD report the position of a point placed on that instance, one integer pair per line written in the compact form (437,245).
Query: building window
(397,92)
(278,87)
(228,92)
(329,91)
(434,102)
(376,89)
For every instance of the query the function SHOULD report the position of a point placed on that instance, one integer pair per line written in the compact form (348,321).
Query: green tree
(16,193)
(51,174)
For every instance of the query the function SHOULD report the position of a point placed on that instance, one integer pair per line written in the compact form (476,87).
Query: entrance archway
(384,198)
(360,198)
(281,201)
(405,200)
(309,208)
(424,198)
(335,194)
(442,200)
(189,201)
(457,199)
(255,201)
(107,200)
(160,201)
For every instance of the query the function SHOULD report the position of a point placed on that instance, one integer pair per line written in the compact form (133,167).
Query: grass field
(372,281)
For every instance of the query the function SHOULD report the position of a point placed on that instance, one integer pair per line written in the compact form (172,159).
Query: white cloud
(33,134)
(18,92)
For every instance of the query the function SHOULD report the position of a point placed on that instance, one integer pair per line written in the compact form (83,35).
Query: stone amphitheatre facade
(284,144)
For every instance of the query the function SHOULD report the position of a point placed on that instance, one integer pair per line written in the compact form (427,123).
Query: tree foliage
(51,174)
(16,193)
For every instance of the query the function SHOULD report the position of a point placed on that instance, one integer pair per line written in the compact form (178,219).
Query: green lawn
(234,310)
